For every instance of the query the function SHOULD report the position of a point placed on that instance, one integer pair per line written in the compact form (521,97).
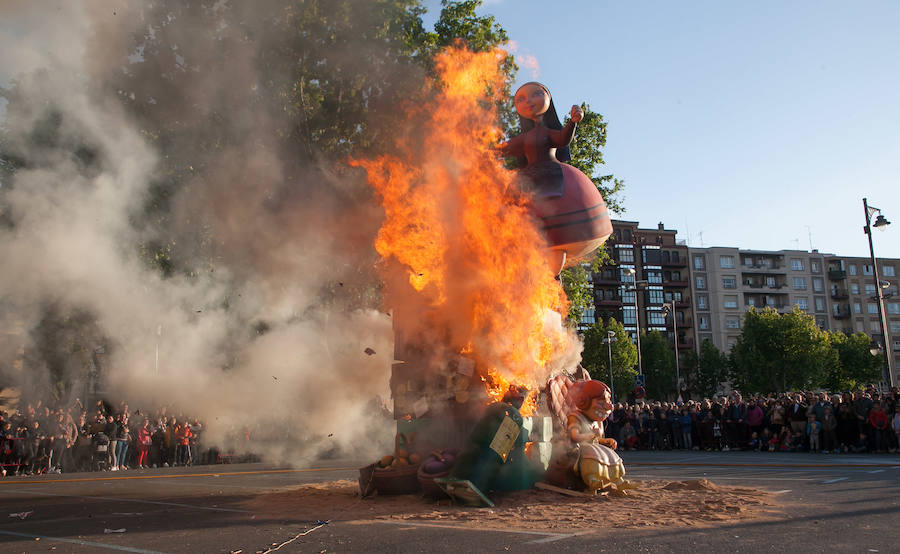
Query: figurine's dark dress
(572,211)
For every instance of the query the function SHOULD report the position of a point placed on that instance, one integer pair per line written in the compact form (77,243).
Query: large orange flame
(464,232)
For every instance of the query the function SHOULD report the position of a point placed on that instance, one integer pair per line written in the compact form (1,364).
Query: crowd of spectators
(40,439)
(859,422)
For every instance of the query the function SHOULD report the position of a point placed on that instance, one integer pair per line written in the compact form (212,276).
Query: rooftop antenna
(700,234)
(809,232)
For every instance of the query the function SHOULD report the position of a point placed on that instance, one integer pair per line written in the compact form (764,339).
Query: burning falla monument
(476,305)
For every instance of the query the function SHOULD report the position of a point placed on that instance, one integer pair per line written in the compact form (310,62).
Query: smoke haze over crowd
(262,318)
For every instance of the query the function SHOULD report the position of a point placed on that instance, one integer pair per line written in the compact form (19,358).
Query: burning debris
(477,308)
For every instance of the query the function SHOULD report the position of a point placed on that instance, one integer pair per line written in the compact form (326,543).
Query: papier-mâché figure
(574,217)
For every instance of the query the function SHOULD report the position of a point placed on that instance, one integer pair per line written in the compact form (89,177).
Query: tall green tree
(854,364)
(595,357)
(658,362)
(712,370)
(778,352)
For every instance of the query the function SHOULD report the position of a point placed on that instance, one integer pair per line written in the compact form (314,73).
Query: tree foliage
(658,363)
(778,352)
(712,370)
(595,357)
(854,363)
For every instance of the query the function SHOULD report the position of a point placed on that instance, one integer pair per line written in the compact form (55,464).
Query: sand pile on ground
(654,503)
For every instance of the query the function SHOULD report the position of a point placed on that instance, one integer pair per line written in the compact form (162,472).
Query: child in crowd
(813,428)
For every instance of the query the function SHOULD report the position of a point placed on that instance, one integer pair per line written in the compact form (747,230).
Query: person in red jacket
(879,422)
(183,443)
(144,442)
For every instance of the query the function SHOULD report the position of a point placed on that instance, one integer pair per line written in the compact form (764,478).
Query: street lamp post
(671,307)
(880,223)
(610,338)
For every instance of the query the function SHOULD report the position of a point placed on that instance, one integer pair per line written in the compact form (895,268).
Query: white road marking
(835,480)
(548,537)
(138,500)
(98,545)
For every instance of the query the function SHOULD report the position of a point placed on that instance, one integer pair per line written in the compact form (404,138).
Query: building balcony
(598,280)
(683,304)
(680,262)
(837,274)
(760,268)
(677,284)
(687,323)
(686,344)
(841,313)
(605,303)
(839,294)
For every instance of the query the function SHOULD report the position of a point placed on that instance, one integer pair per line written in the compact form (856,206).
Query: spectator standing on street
(145,439)
(829,427)
(878,421)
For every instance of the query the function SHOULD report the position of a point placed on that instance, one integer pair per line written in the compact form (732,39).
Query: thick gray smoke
(265,330)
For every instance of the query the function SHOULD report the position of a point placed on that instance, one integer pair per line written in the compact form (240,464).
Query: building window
(654,276)
(651,255)
(803,304)
(726,262)
(854,288)
(895,327)
(875,326)
(867,269)
(588,317)
(625,253)
(676,276)
(818,284)
(732,323)
(748,261)
(770,282)
(872,307)
(628,296)
(897,346)
(655,296)
(888,271)
(702,302)
(851,269)
(815,266)
(699,263)
(870,289)
(657,318)
(751,301)
(857,308)
(729,283)
(704,321)
(820,304)
(893,308)
(629,316)
(799,283)
(625,277)
(701,282)
(796,264)
(731,301)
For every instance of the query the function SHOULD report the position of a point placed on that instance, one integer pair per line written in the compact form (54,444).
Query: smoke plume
(237,296)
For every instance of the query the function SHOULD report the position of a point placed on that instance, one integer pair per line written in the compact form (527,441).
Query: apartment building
(726,282)
(852,288)
(659,263)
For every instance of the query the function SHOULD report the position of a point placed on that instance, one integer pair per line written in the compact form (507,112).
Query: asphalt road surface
(838,503)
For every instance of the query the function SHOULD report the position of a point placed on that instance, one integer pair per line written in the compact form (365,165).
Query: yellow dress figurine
(598,464)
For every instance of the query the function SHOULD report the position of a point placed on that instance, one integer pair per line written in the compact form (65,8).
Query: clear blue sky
(746,121)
